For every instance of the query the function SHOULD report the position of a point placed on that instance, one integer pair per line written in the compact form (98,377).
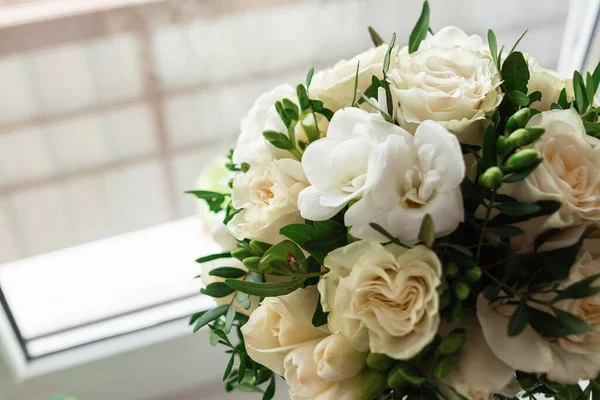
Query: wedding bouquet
(415,222)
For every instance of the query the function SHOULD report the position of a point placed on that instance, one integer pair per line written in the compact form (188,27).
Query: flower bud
(518,119)
(373,382)
(518,138)
(445,299)
(473,274)
(451,343)
(500,145)
(337,360)
(453,270)
(492,178)
(522,159)
(444,367)
(535,132)
(462,290)
(259,248)
(396,378)
(379,362)
(404,372)
(251,263)
(240,253)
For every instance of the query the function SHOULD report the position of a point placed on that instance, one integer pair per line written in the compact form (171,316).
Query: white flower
(252,146)
(569,173)
(545,81)
(335,86)
(267,196)
(336,166)
(452,80)
(302,374)
(407,179)
(383,299)
(207,279)
(478,372)
(279,325)
(337,360)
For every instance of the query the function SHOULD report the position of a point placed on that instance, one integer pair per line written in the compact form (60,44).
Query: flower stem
(489,207)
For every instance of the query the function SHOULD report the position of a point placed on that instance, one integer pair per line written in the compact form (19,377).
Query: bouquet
(415,222)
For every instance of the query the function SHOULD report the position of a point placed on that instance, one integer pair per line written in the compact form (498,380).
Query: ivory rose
(407,179)
(546,82)
(279,325)
(383,299)
(450,79)
(267,196)
(569,174)
(336,358)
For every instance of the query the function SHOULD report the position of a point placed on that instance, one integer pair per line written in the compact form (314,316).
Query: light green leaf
(278,140)
(210,316)
(229,317)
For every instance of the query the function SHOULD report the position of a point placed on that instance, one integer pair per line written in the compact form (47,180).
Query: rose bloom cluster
(386,146)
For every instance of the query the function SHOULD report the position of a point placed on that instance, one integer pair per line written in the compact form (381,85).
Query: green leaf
(562,99)
(579,290)
(519,98)
(217,290)
(246,388)
(266,289)
(242,367)
(270,392)
(535,96)
(290,108)
(543,237)
(229,367)
(506,231)
(278,140)
(377,40)
(489,147)
(518,41)
(545,324)
(456,247)
(388,55)
(229,317)
(592,128)
(300,233)
(319,317)
(285,256)
(490,292)
(195,317)
(518,209)
(214,200)
(227,272)
(309,77)
(580,94)
(493,43)
(515,72)
(572,323)
(213,257)
(518,321)
(243,299)
(302,97)
(419,32)
(427,231)
(589,88)
(210,316)
(355,85)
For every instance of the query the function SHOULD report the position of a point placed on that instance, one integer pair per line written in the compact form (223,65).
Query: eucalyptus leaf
(243,299)
(543,237)
(229,367)
(545,324)
(266,289)
(506,231)
(572,323)
(270,392)
(229,317)
(210,316)
(217,290)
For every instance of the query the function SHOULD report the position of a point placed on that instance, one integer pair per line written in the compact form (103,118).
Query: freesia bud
(451,343)
(535,132)
(241,253)
(518,119)
(379,362)
(462,290)
(251,263)
(492,178)
(522,159)
(444,367)
(373,382)
(518,138)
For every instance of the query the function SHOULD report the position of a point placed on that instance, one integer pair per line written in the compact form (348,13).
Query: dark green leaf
(195,317)
(355,85)
(456,247)
(213,199)
(419,32)
(515,72)
(291,109)
(229,367)
(217,289)
(213,257)
(493,43)
(518,41)
(519,98)
(377,40)
(562,99)
(309,77)
(579,290)
(270,392)
(572,323)
(518,321)
(266,289)
(242,367)
(278,140)
(506,231)
(300,233)
(284,256)
(580,94)
(319,317)
(589,88)
(210,316)
(592,128)
(227,272)
(543,237)
(490,292)
(535,96)
(327,113)
(545,324)
(518,209)
(519,176)
(302,97)
(489,147)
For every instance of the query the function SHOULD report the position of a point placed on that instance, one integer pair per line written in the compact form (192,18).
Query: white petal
(344,121)
(318,165)
(309,203)
(361,214)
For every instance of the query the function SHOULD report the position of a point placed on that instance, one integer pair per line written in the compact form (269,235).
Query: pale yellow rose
(382,298)
(546,82)
(337,359)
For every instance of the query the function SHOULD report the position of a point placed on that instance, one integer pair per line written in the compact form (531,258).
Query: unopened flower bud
(492,178)
(396,378)
(518,119)
(251,263)
(445,299)
(535,132)
(462,290)
(500,145)
(518,138)
(453,270)
(473,274)
(379,362)
(522,159)
(240,253)
(373,382)
(259,248)
(444,367)
(451,343)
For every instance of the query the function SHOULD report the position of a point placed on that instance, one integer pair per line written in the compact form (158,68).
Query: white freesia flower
(407,179)
(279,325)
(251,145)
(544,81)
(450,79)
(383,299)
(335,86)
(569,173)
(336,166)
(267,196)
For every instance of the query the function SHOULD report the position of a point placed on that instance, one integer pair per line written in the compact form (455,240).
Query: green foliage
(515,73)
(420,30)
(375,38)
(214,200)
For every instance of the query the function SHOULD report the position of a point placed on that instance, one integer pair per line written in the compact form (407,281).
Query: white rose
(407,179)
(452,80)
(279,325)
(268,198)
(478,372)
(335,86)
(545,81)
(337,360)
(252,146)
(207,279)
(301,372)
(336,166)
(570,174)
(383,299)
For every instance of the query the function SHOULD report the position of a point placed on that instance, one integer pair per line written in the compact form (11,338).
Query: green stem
(513,292)
(488,213)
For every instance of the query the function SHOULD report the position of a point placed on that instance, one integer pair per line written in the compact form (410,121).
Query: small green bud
(518,138)
(251,263)
(373,382)
(451,343)
(245,167)
(473,274)
(444,367)
(535,132)
(453,270)
(241,253)
(230,183)
(445,299)
(461,289)
(492,178)
(379,362)
(522,159)
(518,119)
(404,372)
(500,145)
(259,248)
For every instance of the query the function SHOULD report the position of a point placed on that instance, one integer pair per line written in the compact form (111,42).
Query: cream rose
(569,173)
(546,82)
(335,86)
(252,146)
(268,198)
(565,360)
(207,279)
(308,371)
(450,79)
(383,299)
(279,325)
